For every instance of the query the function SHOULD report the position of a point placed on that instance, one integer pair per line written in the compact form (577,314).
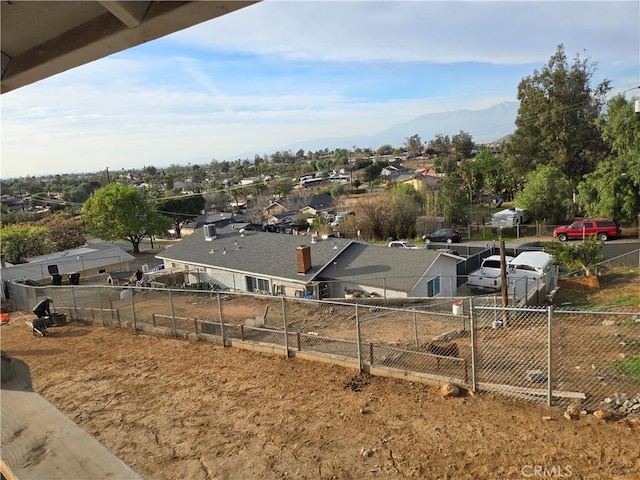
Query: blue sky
(280,72)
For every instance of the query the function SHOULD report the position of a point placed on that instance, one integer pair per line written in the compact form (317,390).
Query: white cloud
(504,32)
(277,73)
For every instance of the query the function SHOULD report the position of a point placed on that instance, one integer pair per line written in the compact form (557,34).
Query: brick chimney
(304,258)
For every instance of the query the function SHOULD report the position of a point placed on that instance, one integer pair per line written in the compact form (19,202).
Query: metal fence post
(133,309)
(359,340)
(221,320)
(173,315)
(99,290)
(286,334)
(75,306)
(549,355)
(472,331)
(415,328)
(384,291)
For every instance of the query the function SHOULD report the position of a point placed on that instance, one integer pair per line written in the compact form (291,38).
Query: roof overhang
(43,38)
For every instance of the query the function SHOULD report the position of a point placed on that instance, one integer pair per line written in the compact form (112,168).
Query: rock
(449,390)
(366,453)
(569,416)
(608,323)
(583,413)
(601,414)
(546,419)
(572,410)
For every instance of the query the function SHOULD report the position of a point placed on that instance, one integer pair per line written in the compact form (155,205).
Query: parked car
(449,235)
(402,244)
(602,228)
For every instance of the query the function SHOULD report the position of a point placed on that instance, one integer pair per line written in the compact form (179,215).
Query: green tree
(413,145)
(79,193)
(547,195)
(121,212)
(473,178)
(283,187)
(620,127)
(18,242)
(385,150)
(405,205)
(463,143)
(337,190)
(576,257)
(441,144)
(372,172)
(613,189)
(555,124)
(610,191)
(494,173)
(181,209)
(454,201)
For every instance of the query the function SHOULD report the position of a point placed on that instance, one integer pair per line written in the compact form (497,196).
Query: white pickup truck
(488,277)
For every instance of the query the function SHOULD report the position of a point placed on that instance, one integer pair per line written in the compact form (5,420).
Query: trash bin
(457,308)
(56,279)
(74,279)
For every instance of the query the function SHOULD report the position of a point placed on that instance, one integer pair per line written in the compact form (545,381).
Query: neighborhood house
(308,265)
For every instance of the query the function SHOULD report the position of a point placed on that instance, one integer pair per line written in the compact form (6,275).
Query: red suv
(602,228)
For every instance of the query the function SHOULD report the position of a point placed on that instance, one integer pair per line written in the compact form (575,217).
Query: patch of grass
(619,287)
(630,367)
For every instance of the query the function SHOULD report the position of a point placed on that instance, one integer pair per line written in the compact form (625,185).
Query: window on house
(433,287)
(257,284)
(102,270)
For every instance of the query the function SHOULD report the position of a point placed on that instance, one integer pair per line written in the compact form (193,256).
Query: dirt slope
(173,409)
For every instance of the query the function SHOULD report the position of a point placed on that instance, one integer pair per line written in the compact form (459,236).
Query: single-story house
(250,261)
(283,218)
(377,270)
(318,205)
(219,219)
(275,208)
(84,261)
(310,265)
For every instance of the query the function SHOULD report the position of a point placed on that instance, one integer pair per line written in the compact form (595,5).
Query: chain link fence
(597,354)
(536,353)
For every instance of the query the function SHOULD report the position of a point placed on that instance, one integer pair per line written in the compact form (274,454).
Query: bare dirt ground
(176,409)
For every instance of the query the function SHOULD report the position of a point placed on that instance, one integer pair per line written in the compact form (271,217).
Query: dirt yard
(176,409)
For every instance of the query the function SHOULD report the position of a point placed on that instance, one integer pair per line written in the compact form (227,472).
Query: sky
(282,72)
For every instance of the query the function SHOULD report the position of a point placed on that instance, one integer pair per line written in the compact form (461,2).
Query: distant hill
(486,126)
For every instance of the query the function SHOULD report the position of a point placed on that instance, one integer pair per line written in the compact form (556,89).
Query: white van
(534,265)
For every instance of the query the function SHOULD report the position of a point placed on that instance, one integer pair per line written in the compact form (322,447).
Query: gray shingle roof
(259,253)
(321,201)
(378,266)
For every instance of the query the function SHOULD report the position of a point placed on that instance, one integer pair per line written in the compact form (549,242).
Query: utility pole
(108,180)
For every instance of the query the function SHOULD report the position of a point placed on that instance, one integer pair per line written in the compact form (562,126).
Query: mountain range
(485,126)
